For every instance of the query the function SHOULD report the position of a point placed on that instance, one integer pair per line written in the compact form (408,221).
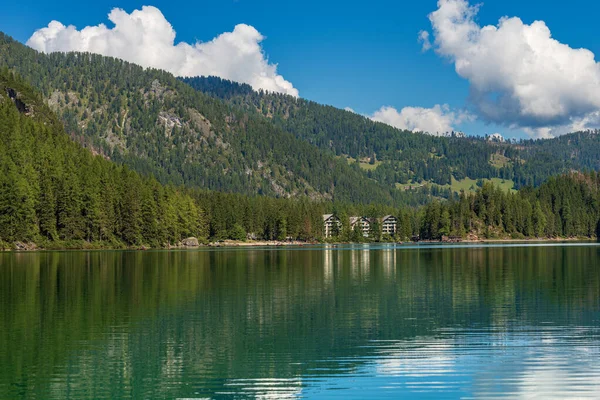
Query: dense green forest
(161,127)
(229,138)
(404,156)
(56,193)
(97,151)
(564,206)
(52,190)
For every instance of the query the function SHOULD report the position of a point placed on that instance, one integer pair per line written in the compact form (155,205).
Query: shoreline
(32,247)
(524,240)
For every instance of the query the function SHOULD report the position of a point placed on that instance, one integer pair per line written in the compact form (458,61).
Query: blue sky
(362,55)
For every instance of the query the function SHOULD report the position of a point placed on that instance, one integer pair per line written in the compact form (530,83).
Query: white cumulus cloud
(424,39)
(519,75)
(437,120)
(146,38)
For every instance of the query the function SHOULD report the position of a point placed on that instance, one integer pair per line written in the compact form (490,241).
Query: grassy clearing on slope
(364,163)
(470,185)
(411,185)
(467,184)
(499,161)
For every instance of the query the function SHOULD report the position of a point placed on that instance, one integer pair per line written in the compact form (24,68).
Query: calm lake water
(501,321)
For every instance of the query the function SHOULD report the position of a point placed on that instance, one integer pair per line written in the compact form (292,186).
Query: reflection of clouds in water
(360,261)
(522,364)
(265,388)
(475,324)
(556,363)
(545,381)
(414,358)
(561,362)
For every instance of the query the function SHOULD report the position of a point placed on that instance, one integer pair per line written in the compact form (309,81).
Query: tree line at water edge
(565,206)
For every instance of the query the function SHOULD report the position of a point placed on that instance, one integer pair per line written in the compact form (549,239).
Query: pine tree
(131,207)
(69,204)
(46,204)
(567,219)
(445,222)
(149,215)
(539,220)
(17,211)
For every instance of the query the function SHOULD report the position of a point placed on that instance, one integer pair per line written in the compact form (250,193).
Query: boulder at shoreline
(191,242)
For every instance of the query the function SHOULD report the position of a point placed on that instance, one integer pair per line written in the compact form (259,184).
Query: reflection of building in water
(366,261)
(360,261)
(354,264)
(327,265)
(389,261)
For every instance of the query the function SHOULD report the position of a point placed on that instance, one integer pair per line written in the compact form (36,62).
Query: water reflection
(265,388)
(356,322)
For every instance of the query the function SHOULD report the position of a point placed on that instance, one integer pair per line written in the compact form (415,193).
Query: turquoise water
(429,321)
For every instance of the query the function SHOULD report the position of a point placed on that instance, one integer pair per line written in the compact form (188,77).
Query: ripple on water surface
(347,322)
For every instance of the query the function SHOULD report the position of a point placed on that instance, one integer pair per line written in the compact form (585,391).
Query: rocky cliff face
(15,97)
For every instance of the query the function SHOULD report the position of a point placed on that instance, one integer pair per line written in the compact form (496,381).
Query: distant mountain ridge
(157,125)
(407,156)
(221,135)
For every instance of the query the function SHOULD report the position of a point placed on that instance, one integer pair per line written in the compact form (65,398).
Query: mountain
(220,135)
(53,190)
(159,126)
(402,156)
(55,193)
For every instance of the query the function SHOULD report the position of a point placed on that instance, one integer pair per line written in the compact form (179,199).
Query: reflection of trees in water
(157,319)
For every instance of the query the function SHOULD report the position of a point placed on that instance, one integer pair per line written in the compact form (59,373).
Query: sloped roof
(354,220)
(327,216)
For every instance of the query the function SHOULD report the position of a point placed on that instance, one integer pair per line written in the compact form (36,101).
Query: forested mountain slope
(52,190)
(225,136)
(157,125)
(564,206)
(403,156)
(55,193)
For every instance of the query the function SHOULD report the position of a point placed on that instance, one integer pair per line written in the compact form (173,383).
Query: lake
(428,321)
